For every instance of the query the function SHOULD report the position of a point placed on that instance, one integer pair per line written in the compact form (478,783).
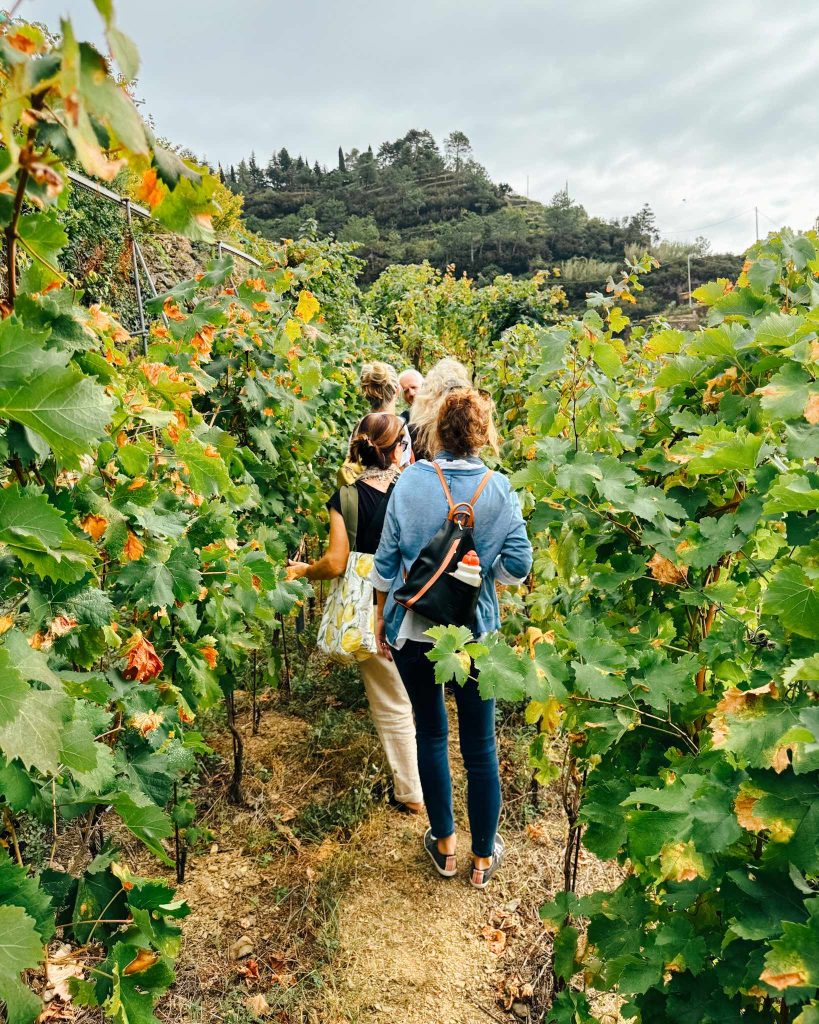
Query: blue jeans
(476,733)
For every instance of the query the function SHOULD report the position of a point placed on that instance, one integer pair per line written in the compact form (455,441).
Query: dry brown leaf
(60,968)
(495,939)
(6,622)
(143,663)
(241,948)
(257,1005)
(664,571)
(744,810)
(812,409)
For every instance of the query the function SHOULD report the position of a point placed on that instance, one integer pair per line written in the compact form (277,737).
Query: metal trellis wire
(139,265)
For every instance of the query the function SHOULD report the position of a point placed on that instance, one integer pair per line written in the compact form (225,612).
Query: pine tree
(221,174)
(342,166)
(253,169)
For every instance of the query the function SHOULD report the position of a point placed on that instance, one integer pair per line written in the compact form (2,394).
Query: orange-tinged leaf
(142,661)
(6,622)
(172,311)
(150,190)
(144,959)
(134,549)
(210,654)
(136,483)
(21,43)
(812,409)
(94,525)
(146,722)
(784,979)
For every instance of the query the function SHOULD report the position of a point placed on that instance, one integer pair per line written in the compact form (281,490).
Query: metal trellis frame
(138,261)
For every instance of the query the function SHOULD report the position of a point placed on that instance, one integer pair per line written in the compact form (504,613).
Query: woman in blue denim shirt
(416,511)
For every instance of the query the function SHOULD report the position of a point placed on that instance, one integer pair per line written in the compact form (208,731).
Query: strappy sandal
(445,863)
(480,877)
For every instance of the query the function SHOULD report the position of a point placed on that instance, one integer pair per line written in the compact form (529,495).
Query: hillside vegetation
(412,201)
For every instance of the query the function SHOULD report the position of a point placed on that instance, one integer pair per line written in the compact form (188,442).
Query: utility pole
(756,219)
(690,300)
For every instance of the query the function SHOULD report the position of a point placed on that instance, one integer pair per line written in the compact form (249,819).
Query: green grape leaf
(792,493)
(13,688)
(606,357)
(792,965)
(15,785)
(565,949)
(66,409)
(149,823)
(147,583)
(206,470)
(21,889)
(43,237)
(182,565)
(22,351)
(448,655)
(504,675)
(38,535)
(667,682)
(20,945)
(34,734)
(794,599)
(785,395)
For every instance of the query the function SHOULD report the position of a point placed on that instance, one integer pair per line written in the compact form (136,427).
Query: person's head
(465,424)
(445,375)
(410,381)
(378,441)
(379,382)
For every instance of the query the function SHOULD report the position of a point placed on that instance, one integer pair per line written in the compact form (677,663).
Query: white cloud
(703,110)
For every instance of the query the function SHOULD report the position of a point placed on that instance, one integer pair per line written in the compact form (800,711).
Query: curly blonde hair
(445,375)
(379,382)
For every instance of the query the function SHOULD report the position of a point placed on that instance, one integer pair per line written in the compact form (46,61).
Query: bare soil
(314,902)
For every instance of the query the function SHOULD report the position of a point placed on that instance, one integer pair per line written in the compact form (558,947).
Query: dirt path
(314,903)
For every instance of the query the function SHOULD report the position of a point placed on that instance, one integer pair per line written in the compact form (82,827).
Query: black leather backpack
(428,587)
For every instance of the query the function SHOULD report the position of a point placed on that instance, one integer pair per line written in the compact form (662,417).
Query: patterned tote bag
(347,629)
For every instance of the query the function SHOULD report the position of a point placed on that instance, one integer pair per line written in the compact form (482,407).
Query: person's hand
(381,638)
(296,571)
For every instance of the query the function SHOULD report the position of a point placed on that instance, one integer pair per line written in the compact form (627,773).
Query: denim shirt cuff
(379,582)
(502,576)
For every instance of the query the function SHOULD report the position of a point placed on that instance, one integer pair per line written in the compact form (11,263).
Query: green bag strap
(349,511)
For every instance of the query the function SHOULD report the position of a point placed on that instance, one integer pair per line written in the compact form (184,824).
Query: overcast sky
(703,109)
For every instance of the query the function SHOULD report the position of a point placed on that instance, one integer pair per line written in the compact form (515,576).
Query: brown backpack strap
(445,486)
(481,486)
(464,509)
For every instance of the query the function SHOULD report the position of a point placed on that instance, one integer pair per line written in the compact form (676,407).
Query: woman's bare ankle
(482,863)
(447,846)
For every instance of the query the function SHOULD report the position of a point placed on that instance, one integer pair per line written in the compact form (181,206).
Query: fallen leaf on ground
(241,948)
(495,939)
(59,969)
(257,1005)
